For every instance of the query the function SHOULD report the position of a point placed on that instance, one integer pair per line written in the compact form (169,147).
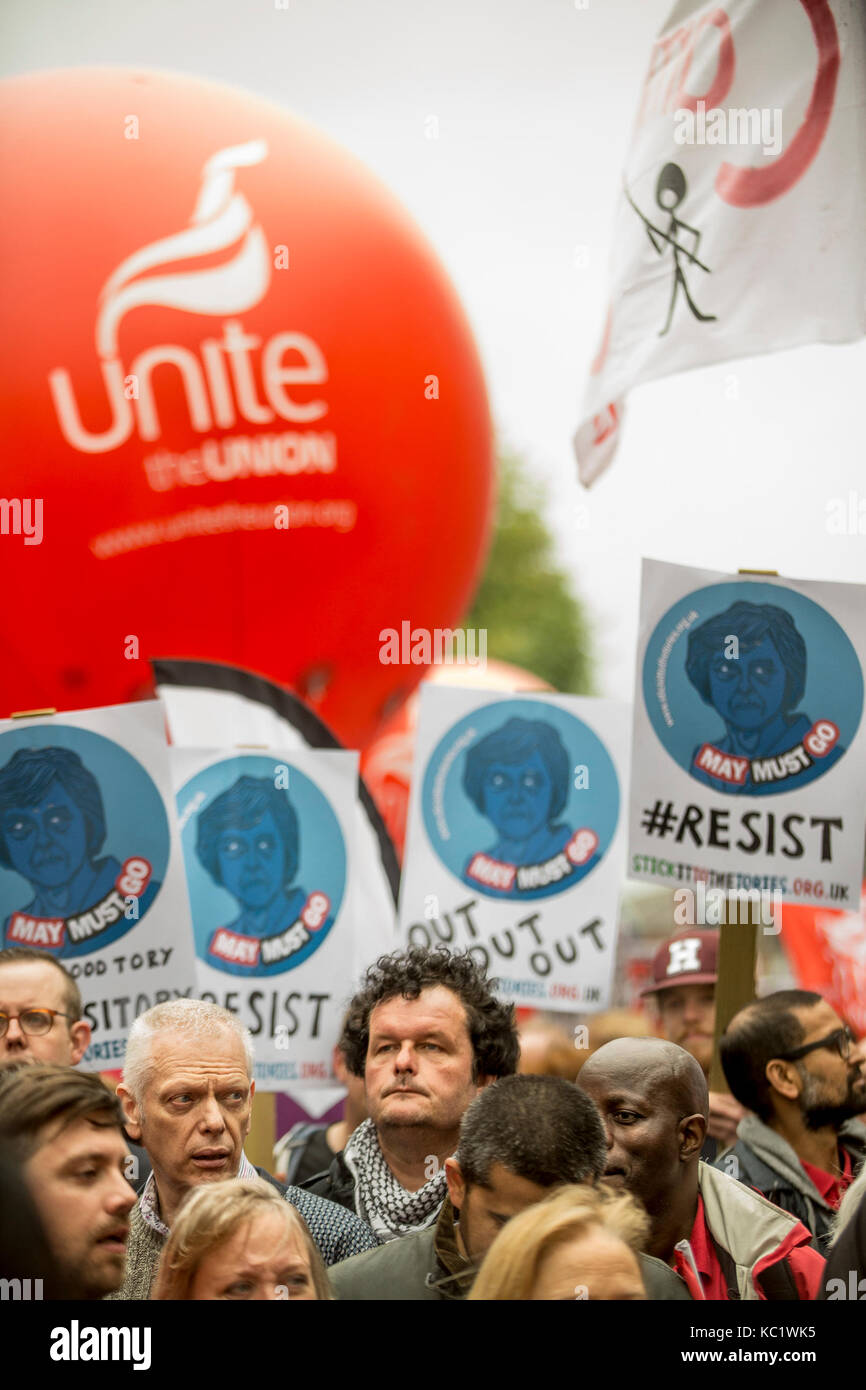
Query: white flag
(741,225)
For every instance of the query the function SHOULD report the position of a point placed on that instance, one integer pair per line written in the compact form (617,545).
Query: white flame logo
(221,217)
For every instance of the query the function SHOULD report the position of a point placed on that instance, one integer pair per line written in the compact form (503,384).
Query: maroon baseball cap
(688,958)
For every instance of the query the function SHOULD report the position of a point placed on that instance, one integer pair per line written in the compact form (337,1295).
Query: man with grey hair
(187,1093)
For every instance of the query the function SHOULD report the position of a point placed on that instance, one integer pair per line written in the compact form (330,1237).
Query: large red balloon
(242,389)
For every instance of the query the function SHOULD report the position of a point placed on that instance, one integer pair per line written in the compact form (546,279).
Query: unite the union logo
(218,382)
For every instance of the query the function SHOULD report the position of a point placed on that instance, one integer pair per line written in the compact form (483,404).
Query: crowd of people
(466,1165)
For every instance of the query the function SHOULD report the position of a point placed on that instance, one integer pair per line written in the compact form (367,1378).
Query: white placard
(515,840)
(91,870)
(268,841)
(750,753)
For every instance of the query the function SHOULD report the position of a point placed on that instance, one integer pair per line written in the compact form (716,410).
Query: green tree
(524,599)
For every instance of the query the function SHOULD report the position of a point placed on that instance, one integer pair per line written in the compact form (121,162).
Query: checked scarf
(380,1199)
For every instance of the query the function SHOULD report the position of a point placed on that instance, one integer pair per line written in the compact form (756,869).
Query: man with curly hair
(426,1033)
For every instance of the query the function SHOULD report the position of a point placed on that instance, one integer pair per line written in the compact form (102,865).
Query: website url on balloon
(337,514)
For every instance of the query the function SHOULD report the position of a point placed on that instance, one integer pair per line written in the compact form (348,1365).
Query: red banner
(827,952)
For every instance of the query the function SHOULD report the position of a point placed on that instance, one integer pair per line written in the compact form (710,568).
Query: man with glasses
(791,1060)
(41,1021)
(40,1010)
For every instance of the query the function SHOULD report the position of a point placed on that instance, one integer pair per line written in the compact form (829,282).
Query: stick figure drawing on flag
(670,192)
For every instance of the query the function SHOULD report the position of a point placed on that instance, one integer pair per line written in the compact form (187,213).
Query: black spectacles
(841,1041)
(33,1022)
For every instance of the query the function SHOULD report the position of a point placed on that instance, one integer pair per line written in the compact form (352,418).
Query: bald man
(720,1237)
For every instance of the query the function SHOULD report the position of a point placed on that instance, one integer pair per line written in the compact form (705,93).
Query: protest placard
(515,840)
(268,845)
(749,751)
(91,871)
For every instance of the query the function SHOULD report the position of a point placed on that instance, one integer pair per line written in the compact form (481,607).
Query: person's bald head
(667,1072)
(653,1099)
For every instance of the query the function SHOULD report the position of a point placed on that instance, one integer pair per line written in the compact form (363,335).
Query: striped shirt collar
(149,1199)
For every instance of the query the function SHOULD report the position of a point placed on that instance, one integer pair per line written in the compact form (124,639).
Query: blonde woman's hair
(509,1269)
(852,1197)
(210,1216)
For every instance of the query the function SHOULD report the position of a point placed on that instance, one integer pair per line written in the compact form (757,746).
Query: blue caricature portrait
(257,841)
(784,684)
(517,777)
(55,834)
(248,840)
(503,807)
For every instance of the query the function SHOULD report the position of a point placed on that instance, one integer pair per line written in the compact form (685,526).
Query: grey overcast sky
(534,101)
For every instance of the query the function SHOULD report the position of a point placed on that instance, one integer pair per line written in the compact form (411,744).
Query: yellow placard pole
(738,954)
(735,985)
(259,1147)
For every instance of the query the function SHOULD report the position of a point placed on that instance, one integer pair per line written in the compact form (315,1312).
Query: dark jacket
(710,1150)
(428,1266)
(138,1172)
(271,1180)
(335,1182)
(304,1151)
(762,1159)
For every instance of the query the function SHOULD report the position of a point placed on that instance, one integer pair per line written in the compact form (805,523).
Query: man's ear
(783,1078)
(338,1066)
(250,1111)
(456,1183)
(692,1132)
(131,1112)
(79,1034)
(482,1081)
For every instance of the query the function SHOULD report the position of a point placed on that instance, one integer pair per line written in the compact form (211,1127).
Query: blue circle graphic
(84,840)
(752,688)
(265,864)
(520,800)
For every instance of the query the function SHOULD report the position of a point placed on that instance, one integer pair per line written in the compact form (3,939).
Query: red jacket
(766,1252)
